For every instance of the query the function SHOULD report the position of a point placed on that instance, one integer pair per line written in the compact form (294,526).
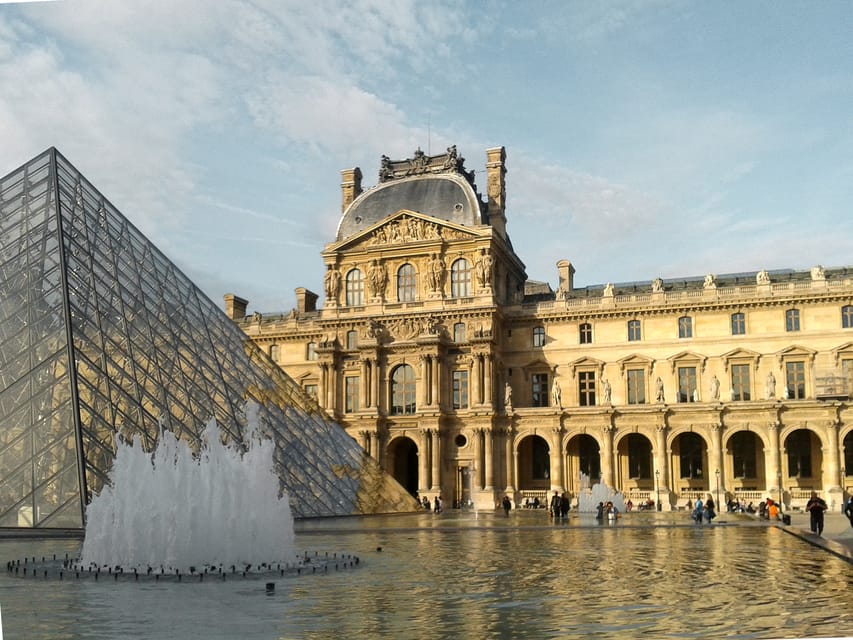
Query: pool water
(469,575)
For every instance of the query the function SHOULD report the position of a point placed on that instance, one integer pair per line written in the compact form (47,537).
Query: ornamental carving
(421,164)
(407,229)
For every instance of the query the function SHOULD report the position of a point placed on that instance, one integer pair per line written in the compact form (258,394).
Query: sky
(644,139)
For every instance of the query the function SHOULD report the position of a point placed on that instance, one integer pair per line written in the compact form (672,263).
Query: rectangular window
(687,384)
(847,317)
(586,388)
(274,352)
(585,333)
(311,351)
(352,339)
(460,389)
(311,390)
(459,332)
(738,324)
(634,331)
(795,380)
(538,336)
(636,386)
(792,320)
(740,382)
(539,389)
(847,372)
(351,394)
(685,327)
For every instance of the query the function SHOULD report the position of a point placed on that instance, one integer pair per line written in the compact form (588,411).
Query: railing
(524,494)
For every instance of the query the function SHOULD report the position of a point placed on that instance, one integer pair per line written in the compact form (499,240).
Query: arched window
(403,391)
(355,289)
(406,283)
(460,279)
(274,352)
(459,332)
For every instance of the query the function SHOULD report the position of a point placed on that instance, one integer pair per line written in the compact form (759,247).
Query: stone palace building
(463,378)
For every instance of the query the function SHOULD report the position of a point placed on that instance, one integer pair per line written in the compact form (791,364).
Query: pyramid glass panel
(102,337)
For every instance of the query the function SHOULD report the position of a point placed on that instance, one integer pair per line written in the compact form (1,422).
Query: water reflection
(486,577)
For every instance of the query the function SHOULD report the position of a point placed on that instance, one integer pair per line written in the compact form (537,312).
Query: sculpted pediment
(635,361)
(405,227)
(687,358)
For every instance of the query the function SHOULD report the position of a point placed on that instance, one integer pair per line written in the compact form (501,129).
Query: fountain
(589,497)
(180,511)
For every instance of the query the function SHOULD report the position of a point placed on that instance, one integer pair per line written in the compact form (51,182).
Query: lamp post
(719,505)
(657,490)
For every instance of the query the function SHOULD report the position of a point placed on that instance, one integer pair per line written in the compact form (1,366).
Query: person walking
(848,510)
(555,505)
(507,505)
(816,507)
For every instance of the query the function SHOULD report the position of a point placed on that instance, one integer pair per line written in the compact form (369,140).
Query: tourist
(612,512)
(536,502)
(689,504)
(555,505)
(772,510)
(697,511)
(507,505)
(816,506)
(848,510)
(437,504)
(750,508)
(426,503)
(629,505)
(599,511)
(709,511)
(565,505)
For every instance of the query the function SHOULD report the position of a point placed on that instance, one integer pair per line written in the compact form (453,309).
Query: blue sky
(643,139)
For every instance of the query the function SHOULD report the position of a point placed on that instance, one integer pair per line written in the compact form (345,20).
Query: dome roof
(444,196)
(444,191)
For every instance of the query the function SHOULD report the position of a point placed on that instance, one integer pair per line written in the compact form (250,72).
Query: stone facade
(465,379)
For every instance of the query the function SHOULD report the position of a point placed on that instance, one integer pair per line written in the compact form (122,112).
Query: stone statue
(556,394)
(377,278)
(385,170)
(659,395)
(762,277)
(508,395)
(710,281)
(332,283)
(605,391)
(715,388)
(608,290)
(436,273)
(818,273)
(483,270)
(770,386)
(657,285)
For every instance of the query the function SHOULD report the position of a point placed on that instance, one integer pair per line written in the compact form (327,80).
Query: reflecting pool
(473,575)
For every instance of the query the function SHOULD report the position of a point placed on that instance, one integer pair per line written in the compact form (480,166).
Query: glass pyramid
(101,336)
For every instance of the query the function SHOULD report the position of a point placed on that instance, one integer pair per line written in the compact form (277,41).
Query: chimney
(350,186)
(496,188)
(567,276)
(235,307)
(306,300)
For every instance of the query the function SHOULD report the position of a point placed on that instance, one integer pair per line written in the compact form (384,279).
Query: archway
(584,457)
(745,458)
(403,463)
(634,466)
(534,464)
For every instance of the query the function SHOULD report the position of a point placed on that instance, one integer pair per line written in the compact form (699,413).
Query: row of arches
(747,469)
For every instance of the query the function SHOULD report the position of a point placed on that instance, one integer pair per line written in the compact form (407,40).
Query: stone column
(488,393)
(376,381)
(772,461)
(436,461)
(557,462)
(510,463)
(830,454)
(717,443)
(364,390)
(321,387)
(423,462)
(477,470)
(436,380)
(488,462)
(607,455)
(661,460)
(476,389)
(423,387)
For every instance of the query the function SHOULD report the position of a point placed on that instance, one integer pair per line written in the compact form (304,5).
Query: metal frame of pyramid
(101,337)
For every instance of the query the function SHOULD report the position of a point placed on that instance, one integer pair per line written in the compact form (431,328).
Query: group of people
(560,505)
(607,510)
(702,511)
